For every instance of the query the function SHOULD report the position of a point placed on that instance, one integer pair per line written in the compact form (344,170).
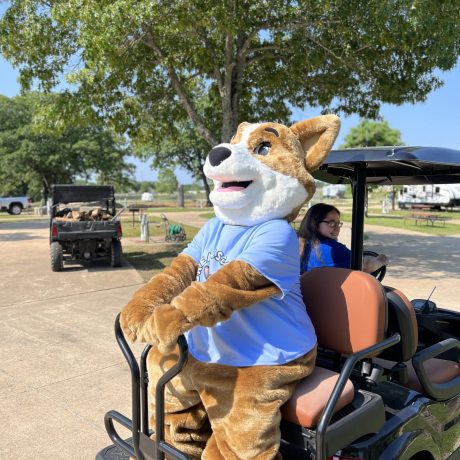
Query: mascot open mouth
(234,186)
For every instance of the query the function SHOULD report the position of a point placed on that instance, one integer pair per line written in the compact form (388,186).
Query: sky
(433,123)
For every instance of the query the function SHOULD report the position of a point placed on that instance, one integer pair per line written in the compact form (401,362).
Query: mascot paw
(139,331)
(170,322)
(371,263)
(130,328)
(383,259)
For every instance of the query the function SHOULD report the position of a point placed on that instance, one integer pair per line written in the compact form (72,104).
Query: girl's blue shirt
(329,253)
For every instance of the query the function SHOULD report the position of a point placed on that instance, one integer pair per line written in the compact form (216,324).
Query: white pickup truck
(15,204)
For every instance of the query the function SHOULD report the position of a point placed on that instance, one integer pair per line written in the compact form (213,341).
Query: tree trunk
(180,202)
(230,107)
(207,189)
(45,194)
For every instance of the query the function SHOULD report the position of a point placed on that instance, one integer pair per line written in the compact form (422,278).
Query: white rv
(333,191)
(147,196)
(436,196)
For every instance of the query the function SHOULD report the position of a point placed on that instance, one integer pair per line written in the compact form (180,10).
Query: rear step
(114,452)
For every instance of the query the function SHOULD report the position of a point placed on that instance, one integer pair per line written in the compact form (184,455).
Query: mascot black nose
(218,154)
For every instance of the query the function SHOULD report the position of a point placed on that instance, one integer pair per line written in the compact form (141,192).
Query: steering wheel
(380,272)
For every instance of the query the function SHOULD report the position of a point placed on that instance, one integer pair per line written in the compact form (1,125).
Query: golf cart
(387,380)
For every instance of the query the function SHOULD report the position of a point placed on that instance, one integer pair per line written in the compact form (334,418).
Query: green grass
(451,214)
(172,209)
(151,258)
(207,215)
(399,222)
(24,216)
(156,228)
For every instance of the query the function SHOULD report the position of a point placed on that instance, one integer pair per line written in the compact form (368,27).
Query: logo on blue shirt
(216,255)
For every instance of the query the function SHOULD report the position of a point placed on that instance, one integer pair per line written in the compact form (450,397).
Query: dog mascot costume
(234,292)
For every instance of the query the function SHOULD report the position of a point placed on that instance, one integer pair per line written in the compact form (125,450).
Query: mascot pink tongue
(231,188)
(234,293)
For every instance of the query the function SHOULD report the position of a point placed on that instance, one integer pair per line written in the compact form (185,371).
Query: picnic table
(421,207)
(427,219)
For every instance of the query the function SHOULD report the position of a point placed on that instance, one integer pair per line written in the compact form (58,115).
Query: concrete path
(60,367)
(418,262)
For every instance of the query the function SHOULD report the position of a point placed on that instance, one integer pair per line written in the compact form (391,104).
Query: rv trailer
(436,196)
(333,191)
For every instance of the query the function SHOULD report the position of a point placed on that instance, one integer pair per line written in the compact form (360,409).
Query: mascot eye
(263,148)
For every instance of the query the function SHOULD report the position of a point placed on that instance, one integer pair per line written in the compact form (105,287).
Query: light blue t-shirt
(274,331)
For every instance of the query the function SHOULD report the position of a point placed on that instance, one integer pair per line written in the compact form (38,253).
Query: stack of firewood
(89,215)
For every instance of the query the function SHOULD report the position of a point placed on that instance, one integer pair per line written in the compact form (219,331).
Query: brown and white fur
(280,182)
(262,174)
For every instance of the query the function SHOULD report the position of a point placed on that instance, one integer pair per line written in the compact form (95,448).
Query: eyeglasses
(332,223)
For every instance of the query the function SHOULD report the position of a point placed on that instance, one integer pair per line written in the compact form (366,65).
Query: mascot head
(264,172)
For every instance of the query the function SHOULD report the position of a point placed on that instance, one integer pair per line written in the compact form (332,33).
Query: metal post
(357,221)
(145,228)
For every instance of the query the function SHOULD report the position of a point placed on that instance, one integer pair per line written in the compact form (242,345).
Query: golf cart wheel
(57,258)
(115,253)
(15,209)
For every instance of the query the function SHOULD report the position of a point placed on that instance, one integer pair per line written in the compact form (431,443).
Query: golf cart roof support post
(357,218)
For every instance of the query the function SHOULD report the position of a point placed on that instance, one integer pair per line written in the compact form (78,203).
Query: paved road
(418,262)
(60,368)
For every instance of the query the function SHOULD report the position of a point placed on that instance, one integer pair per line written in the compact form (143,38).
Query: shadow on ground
(441,256)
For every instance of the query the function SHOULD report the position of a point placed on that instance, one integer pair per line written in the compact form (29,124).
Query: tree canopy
(166,181)
(371,134)
(179,76)
(32,158)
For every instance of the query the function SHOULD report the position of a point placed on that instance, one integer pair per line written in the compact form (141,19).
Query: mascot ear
(316,136)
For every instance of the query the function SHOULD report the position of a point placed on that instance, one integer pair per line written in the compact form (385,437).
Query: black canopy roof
(68,193)
(393,165)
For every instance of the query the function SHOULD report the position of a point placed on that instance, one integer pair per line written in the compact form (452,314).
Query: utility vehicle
(387,381)
(84,225)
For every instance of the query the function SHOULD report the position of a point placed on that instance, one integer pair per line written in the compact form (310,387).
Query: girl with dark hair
(318,243)
(318,235)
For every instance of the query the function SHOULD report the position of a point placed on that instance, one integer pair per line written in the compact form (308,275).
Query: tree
(32,158)
(182,146)
(146,186)
(161,71)
(372,134)
(166,181)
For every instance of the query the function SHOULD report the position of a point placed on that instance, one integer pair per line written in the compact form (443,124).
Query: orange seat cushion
(439,371)
(311,395)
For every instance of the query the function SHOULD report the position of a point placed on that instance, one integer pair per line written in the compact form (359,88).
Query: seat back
(402,320)
(348,308)
(422,370)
